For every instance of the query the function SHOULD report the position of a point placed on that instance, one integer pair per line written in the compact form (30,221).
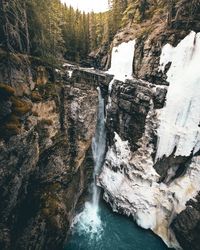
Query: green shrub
(10,127)
(48,90)
(46,122)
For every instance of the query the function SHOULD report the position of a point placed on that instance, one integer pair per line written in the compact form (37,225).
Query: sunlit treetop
(88,5)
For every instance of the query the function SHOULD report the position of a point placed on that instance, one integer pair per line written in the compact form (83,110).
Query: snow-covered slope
(179,130)
(122,60)
(121,63)
(131,185)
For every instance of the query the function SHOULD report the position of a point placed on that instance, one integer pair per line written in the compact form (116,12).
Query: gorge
(132,165)
(104,153)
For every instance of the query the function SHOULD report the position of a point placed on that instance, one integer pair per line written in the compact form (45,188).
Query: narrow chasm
(99,125)
(95,226)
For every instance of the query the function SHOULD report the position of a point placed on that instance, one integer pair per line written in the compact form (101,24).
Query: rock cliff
(151,170)
(152,164)
(48,120)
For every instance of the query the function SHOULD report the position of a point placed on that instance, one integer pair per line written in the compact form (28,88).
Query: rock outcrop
(131,183)
(158,191)
(48,119)
(44,152)
(187,225)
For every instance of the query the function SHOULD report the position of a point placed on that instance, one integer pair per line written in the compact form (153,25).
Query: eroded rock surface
(43,156)
(159,192)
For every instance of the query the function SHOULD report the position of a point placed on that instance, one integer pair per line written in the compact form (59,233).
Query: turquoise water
(117,233)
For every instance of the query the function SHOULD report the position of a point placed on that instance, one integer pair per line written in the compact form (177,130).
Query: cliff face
(151,169)
(44,151)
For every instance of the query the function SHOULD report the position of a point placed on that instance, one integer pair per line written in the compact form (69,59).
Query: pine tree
(14,26)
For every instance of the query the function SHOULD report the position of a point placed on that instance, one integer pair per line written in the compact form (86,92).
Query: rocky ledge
(154,192)
(47,125)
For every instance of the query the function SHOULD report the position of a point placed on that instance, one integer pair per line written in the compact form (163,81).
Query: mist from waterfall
(88,221)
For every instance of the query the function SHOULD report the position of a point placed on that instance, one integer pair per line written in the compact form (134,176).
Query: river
(117,232)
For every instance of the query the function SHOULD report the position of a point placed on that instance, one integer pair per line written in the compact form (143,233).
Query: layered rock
(186,225)
(155,190)
(130,181)
(44,160)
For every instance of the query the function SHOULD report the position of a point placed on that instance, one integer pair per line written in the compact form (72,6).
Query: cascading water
(88,221)
(97,228)
(98,148)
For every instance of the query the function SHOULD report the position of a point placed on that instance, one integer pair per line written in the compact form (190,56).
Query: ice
(70,72)
(130,181)
(121,63)
(67,65)
(179,130)
(153,205)
(122,60)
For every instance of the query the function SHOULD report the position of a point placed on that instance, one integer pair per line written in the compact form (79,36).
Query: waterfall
(88,221)
(98,148)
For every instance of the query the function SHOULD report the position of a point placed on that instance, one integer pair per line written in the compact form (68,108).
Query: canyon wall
(48,118)
(151,171)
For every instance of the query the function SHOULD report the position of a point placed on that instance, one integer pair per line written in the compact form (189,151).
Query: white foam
(88,222)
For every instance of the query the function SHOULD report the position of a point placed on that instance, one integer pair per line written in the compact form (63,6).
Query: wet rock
(187,226)
(159,97)
(128,110)
(42,169)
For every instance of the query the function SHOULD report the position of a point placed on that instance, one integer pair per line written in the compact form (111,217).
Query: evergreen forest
(49,29)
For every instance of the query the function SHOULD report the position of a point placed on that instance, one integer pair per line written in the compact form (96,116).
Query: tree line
(50,29)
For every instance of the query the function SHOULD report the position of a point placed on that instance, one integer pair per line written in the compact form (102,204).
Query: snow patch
(179,130)
(121,63)
(70,72)
(153,205)
(122,60)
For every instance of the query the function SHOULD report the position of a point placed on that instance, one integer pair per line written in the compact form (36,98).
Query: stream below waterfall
(96,227)
(116,232)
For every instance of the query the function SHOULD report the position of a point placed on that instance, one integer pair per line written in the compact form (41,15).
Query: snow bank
(121,63)
(122,60)
(129,188)
(179,130)
(129,179)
